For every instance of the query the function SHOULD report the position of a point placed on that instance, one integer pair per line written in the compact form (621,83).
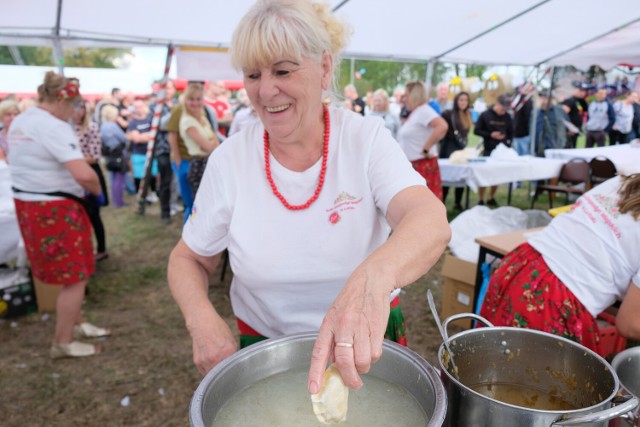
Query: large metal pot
(552,365)
(627,367)
(397,365)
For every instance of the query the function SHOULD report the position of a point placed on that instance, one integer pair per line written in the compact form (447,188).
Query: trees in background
(76,57)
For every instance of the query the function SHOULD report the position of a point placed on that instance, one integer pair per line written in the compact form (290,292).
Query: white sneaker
(152,198)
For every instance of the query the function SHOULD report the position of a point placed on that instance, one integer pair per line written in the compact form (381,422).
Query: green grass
(138,247)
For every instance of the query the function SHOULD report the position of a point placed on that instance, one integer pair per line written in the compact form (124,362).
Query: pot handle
(630,403)
(463,316)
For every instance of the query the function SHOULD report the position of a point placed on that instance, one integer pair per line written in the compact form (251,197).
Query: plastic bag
(482,221)
(502,152)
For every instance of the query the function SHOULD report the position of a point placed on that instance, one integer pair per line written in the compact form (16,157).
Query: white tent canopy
(515,32)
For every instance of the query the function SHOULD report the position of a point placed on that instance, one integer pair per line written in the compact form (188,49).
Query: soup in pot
(283,400)
(523,396)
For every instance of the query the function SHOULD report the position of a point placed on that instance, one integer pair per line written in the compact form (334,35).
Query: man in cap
(494,126)
(576,108)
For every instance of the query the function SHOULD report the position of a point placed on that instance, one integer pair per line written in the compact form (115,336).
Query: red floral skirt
(524,292)
(430,171)
(57,237)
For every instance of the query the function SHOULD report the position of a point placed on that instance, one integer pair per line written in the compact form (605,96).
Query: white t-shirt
(187,121)
(39,144)
(290,265)
(593,249)
(624,116)
(413,134)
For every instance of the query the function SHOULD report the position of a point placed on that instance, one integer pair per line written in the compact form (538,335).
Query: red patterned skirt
(430,171)
(525,293)
(57,237)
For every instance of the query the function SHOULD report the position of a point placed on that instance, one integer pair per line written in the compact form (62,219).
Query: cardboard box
(46,295)
(459,279)
(17,297)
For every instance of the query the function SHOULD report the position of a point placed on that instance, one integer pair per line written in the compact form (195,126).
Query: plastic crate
(611,342)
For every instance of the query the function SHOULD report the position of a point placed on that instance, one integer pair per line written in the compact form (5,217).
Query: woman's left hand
(353,330)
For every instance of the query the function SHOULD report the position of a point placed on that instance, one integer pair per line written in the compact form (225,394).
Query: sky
(140,70)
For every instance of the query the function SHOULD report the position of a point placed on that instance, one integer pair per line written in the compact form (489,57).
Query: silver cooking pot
(546,363)
(398,365)
(627,367)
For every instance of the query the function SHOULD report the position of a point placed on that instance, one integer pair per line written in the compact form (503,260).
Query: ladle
(434,311)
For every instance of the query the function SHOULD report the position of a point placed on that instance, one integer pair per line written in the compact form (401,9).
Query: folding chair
(574,172)
(601,170)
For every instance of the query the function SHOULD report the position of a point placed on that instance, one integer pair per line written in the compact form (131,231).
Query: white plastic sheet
(482,221)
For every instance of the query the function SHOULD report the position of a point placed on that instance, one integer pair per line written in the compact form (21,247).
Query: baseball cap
(504,100)
(581,85)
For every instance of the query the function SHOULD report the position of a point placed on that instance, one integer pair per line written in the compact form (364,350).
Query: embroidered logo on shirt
(344,202)
(610,204)
(342,197)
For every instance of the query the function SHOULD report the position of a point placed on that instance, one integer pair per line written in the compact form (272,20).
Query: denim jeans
(185,188)
(522,145)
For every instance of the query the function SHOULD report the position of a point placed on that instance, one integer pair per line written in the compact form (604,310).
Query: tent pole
(534,118)
(353,70)
(58,53)
(429,76)
(155,122)
(553,77)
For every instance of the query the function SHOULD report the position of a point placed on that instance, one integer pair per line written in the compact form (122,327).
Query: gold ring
(344,344)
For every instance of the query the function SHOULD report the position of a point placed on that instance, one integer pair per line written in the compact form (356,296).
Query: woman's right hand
(211,345)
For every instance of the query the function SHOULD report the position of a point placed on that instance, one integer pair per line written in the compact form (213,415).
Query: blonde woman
(419,135)
(8,111)
(50,175)
(381,109)
(198,136)
(304,202)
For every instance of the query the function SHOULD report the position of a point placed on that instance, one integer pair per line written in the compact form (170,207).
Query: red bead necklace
(323,170)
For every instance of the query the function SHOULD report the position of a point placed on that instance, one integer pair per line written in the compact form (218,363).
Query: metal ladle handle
(463,316)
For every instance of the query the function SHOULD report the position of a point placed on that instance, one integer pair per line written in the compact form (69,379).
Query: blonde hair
(383,93)
(191,90)
(416,93)
(8,105)
(86,117)
(53,83)
(274,29)
(630,196)
(109,113)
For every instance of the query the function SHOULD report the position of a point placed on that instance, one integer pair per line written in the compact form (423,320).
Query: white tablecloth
(9,230)
(496,172)
(625,156)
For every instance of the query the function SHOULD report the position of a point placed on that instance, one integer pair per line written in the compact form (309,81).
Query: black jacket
(489,121)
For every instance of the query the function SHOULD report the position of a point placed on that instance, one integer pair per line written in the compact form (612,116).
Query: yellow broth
(523,396)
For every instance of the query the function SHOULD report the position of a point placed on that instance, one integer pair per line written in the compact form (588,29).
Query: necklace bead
(323,170)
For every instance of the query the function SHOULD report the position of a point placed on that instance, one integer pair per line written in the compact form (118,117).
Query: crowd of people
(426,128)
(613,113)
